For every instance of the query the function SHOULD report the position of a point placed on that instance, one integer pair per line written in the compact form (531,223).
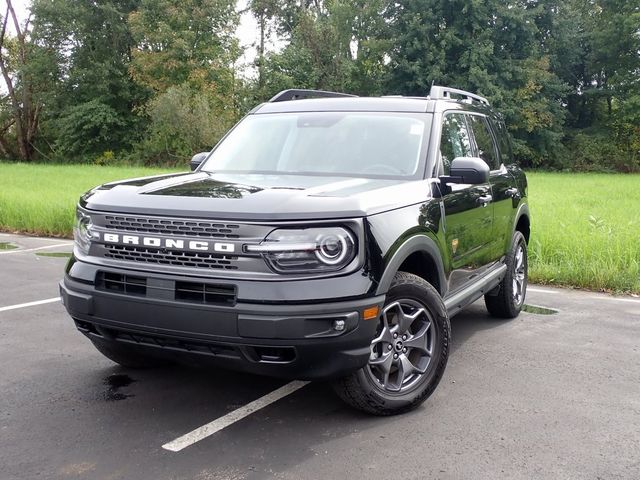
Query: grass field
(41,199)
(585,230)
(585,227)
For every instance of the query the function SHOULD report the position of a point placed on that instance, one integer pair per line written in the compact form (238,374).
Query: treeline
(153,81)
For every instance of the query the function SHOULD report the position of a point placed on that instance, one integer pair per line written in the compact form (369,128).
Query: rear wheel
(128,356)
(508,300)
(408,355)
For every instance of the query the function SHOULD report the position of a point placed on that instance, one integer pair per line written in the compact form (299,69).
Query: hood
(255,197)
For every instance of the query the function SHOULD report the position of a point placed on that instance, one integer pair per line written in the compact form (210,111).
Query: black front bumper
(289,340)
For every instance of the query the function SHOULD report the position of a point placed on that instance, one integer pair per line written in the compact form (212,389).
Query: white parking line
(30,304)
(629,300)
(615,299)
(7,252)
(232,417)
(541,290)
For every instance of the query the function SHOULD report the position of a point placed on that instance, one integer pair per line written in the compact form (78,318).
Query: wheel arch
(419,255)
(522,222)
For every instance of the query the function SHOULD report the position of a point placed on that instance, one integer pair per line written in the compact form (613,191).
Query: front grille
(117,282)
(171,257)
(165,226)
(205,293)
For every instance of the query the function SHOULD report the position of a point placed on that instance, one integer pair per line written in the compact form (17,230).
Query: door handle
(484,200)
(512,192)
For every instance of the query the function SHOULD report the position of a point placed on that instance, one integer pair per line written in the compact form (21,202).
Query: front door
(468,208)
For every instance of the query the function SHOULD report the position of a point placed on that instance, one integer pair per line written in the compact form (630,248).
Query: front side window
(355,144)
(454,140)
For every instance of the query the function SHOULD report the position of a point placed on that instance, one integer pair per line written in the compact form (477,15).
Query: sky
(247,31)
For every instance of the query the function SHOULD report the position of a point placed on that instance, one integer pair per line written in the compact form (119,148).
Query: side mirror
(197,159)
(467,170)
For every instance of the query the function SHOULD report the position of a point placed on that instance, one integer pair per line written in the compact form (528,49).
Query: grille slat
(205,293)
(170,257)
(117,282)
(172,227)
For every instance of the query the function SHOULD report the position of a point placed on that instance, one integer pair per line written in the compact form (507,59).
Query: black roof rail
(299,94)
(444,93)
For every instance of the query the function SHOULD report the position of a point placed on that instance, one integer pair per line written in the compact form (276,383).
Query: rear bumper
(285,340)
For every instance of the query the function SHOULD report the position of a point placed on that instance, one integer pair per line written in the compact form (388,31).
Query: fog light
(338,325)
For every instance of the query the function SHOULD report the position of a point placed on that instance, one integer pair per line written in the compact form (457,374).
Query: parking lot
(541,396)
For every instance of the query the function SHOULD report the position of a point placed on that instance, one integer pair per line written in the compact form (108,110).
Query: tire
(128,356)
(509,299)
(413,321)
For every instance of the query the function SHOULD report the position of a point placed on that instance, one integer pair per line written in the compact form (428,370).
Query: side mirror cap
(467,170)
(197,160)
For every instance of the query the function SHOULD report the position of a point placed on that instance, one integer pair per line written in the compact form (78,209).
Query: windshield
(354,144)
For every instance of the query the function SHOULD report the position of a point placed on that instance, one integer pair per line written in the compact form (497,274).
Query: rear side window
(485,142)
(506,156)
(454,140)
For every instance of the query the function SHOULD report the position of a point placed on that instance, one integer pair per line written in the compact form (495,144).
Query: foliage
(184,121)
(184,41)
(91,96)
(134,77)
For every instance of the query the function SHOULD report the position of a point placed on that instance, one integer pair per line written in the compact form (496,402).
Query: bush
(184,122)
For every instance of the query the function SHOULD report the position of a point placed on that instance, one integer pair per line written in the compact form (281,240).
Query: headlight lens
(307,250)
(82,231)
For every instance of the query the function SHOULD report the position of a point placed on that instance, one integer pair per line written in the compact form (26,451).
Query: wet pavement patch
(115,382)
(54,254)
(538,310)
(7,246)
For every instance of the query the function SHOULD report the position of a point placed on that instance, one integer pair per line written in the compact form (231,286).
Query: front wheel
(508,299)
(408,355)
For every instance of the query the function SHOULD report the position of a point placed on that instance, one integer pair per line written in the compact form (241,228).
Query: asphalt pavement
(538,397)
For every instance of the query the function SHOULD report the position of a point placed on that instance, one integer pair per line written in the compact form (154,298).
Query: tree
(490,47)
(184,41)
(185,53)
(91,95)
(338,44)
(20,109)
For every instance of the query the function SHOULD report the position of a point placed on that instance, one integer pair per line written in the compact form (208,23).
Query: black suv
(326,236)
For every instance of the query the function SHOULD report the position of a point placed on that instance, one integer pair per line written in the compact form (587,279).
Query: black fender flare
(523,210)
(417,243)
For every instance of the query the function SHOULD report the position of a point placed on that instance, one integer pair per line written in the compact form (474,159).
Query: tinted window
(454,141)
(503,142)
(487,150)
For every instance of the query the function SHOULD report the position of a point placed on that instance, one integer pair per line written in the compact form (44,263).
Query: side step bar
(471,293)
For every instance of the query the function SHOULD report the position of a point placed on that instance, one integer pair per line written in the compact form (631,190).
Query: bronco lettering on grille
(155,242)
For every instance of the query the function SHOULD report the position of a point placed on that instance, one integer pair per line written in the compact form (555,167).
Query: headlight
(82,231)
(307,250)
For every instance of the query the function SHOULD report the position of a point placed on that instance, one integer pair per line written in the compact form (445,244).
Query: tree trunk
(25,115)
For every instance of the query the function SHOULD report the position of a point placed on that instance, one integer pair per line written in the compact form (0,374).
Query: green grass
(41,199)
(585,230)
(585,227)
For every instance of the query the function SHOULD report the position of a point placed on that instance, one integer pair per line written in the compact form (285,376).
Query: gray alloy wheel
(507,299)
(402,351)
(519,275)
(408,355)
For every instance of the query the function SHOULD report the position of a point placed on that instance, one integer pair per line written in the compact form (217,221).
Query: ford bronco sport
(326,236)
